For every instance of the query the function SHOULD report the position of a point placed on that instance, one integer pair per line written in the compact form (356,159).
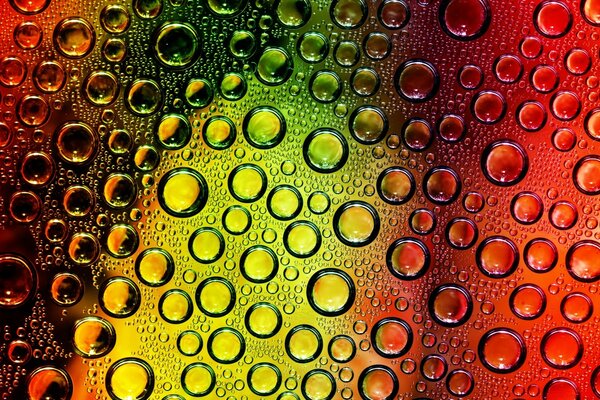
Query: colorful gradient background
(49,327)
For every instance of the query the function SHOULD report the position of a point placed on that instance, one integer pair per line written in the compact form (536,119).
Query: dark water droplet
(508,68)
(393,14)
(293,13)
(28,35)
(470,76)
(17,281)
(29,7)
(417,134)
(465,19)
(66,289)
(416,80)
(450,305)
(144,97)
(460,382)
(275,66)
(348,14)
(313,47)
(176,45)
(12,71)
(101,88)
(451,128)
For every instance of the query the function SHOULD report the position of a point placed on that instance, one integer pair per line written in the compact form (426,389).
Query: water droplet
(66,289)
(74,37)
(175,306)
(264,127)
(552,19)
(28,35)
(348,14)
(284,202)
(93,337)
(115,18)
(497,257)
(226,345)
(488,107)
(581,261)
(330,292)
(325,150)
(504,162)
(416,80)
(49,382)
(318,384)
(450,305)
(119,297)
(17,281)
(561,348)
(264,379)
(393,14)
(356,223)
(176,45)
(502,350)
(182,192)
(586,175)
(259,264)
(391,337)
(263,320)
(215,296)
(576,307)
(441,185)
(377,382)
(130,378)
(528,301)
(465,19)
(293,13)
(275,66)
(154,267)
